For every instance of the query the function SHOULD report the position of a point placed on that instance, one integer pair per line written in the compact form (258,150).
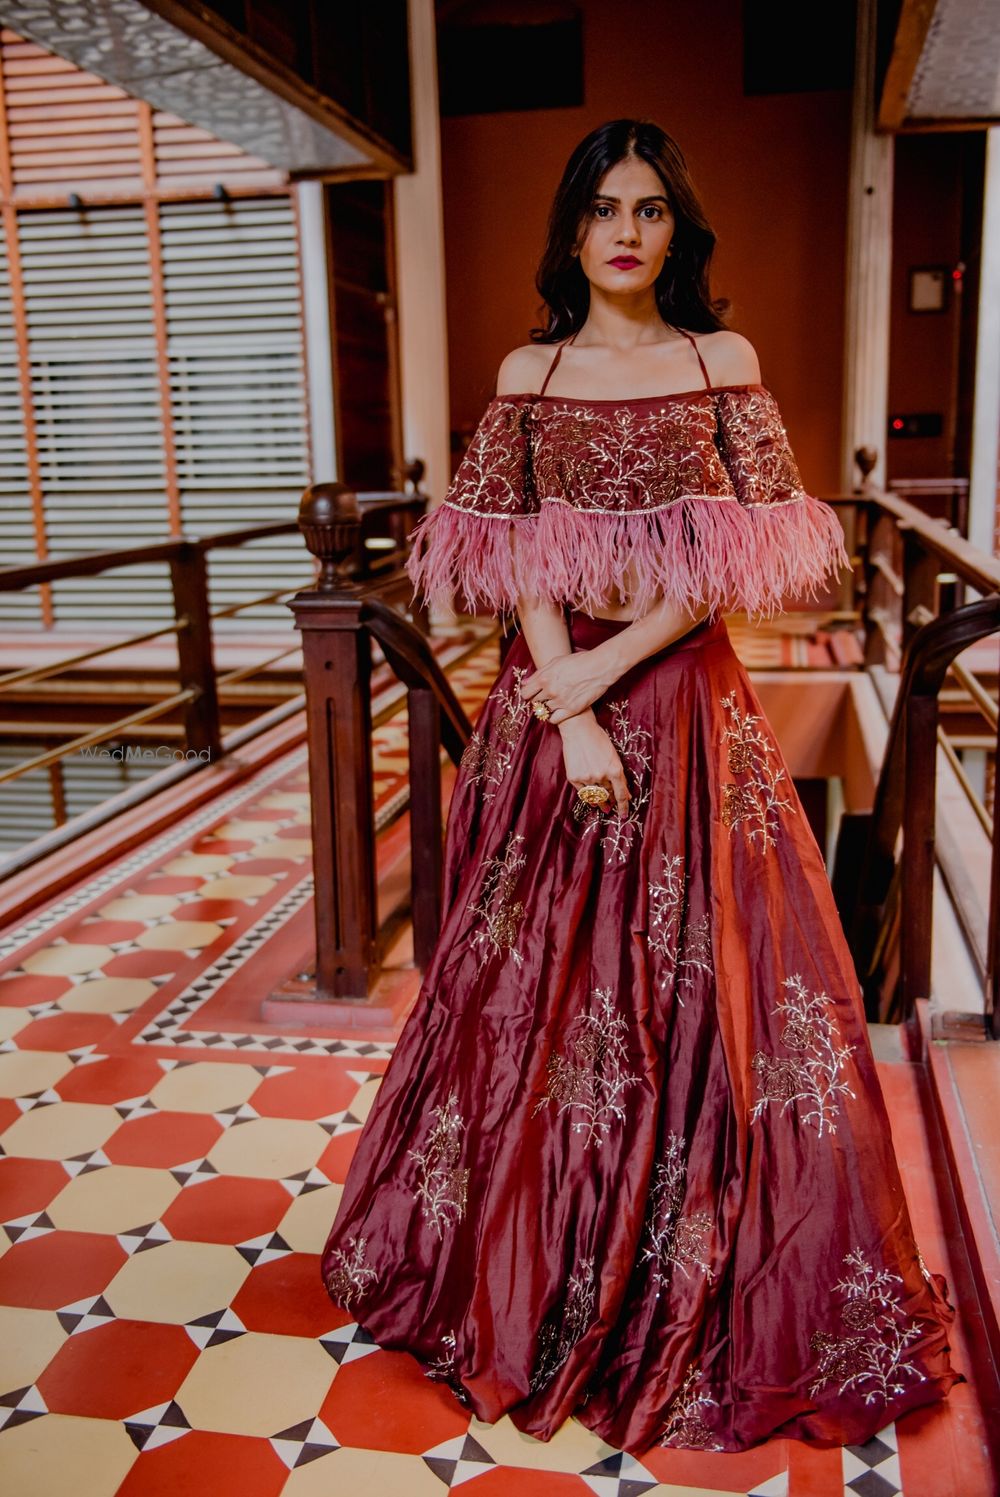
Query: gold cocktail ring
(541,709)
(593,795)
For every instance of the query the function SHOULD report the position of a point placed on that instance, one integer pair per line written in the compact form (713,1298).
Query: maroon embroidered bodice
(694,496)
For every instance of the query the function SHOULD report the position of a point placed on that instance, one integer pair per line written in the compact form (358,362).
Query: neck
(623,322)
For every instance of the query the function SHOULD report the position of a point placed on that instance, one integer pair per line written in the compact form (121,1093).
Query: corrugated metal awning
(944,71)
(123,42)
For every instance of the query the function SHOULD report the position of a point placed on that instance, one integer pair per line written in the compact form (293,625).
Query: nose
(630,231)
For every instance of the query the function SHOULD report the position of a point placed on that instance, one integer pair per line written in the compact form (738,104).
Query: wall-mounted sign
(929,288)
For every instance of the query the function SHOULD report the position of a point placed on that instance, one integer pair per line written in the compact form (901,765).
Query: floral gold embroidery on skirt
(683,944)
(686,1424)
(487,758)
(500,913)
(619,833)
(559,1334)
(872,1355)
(592,1077)
(442,1369)
(673,1236)
(442,1184)
(347,1276)
(755,801)
(810,1080)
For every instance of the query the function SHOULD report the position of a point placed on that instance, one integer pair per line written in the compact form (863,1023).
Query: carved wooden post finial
(866,458)
(330,521)
(410,475)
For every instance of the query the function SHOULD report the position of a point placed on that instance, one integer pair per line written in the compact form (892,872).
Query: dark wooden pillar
(195,662)
(337,666)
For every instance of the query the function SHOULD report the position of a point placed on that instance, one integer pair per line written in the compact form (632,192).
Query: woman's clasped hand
(568,684)
(591,758)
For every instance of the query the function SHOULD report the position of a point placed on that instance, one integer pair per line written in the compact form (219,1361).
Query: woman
(630,1159)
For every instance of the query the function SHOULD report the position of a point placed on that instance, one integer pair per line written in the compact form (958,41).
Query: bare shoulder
(523,370)
(729,358)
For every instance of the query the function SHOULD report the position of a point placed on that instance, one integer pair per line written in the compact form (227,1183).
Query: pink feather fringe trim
(699,550)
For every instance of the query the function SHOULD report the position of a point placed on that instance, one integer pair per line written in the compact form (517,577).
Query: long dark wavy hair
(682,290)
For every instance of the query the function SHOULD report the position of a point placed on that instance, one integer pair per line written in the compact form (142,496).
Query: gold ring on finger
(594,795)
(541,709)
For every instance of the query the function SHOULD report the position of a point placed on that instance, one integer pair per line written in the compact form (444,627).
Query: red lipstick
(625,262)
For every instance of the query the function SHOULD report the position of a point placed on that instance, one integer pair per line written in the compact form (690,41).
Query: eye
(653,208)
(601,208)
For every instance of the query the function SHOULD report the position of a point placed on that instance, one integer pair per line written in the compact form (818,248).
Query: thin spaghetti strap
(552,366)
(701,361)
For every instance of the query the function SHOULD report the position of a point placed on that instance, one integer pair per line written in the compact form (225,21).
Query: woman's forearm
(544,628)
(660,626)
(543,625)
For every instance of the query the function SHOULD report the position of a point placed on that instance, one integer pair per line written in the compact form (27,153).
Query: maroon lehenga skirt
(630,1159)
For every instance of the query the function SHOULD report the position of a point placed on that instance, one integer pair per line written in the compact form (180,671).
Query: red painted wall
(771,170)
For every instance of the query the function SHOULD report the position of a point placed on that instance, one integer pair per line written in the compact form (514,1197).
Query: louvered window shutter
(17,530)
(237,399)
(25,803)
(165,356)
(96,400)
(237,387)
(66,127)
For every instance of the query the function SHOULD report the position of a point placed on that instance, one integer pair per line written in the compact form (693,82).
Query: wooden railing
(337,621)
(361,589)
(911,573)
(380,539)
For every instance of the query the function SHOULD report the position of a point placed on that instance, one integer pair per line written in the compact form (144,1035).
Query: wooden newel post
(337,666)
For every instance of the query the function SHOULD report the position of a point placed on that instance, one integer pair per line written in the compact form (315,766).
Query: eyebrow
(657,197)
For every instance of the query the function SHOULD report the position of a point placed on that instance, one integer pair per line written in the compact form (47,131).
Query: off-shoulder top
(694,496)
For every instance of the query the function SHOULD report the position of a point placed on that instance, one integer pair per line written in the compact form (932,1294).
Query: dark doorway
(365,333)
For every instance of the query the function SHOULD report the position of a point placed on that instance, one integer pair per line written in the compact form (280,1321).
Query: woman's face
(629,229)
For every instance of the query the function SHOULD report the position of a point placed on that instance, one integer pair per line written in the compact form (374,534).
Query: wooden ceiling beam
(928,125)
(911,32)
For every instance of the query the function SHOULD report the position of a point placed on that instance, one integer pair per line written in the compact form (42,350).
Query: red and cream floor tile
(204,1461)
(49,1454)
(226,1210)
(47,1269)
(97,1374)
(174,1281)
(169,1169)
(29,1340)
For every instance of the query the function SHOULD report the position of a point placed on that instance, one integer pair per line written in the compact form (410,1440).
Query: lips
(625,262)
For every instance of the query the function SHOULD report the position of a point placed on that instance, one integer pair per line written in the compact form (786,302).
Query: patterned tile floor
(169,1168)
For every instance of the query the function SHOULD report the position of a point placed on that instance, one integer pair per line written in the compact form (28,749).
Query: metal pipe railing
(30,674)
(98,735)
